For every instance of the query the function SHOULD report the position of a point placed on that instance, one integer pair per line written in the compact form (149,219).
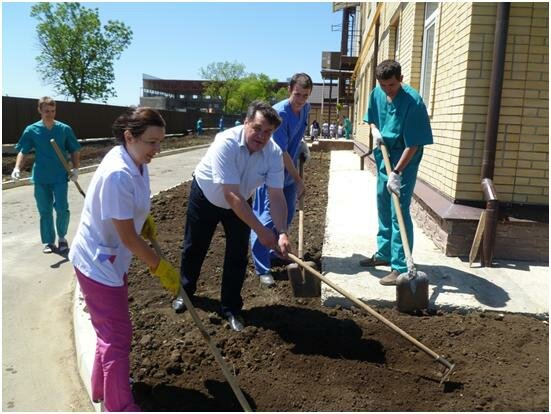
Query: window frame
(427,66)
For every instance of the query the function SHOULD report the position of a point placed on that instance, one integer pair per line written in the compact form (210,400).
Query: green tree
(281,94)
(253,86)
(77,54)
(223,80)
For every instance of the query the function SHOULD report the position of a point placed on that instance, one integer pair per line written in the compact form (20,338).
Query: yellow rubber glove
(149,229)
(169,276)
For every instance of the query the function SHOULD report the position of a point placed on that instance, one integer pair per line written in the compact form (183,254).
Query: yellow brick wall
(522,155)
(411,42)
(442,163)
(464,37)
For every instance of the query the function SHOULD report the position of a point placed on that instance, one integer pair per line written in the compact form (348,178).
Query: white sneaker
(266,280)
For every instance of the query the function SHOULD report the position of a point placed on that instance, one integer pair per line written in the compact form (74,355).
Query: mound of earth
(296,355)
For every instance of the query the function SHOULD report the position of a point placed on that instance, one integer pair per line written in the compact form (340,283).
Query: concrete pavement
(350,235)
(39,370)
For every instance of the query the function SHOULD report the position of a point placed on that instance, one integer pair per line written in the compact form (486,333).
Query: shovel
(303,284)
(412,287)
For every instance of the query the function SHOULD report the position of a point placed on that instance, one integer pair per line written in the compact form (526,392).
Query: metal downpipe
(490,142)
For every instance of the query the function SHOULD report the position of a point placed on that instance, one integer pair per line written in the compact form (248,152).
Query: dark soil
(92,152)
(296,355)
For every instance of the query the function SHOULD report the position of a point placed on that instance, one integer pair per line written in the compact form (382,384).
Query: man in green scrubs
(398,118)
(48,174)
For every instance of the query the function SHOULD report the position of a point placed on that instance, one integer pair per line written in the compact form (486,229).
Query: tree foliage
(76,52)
(223,80)
(253,86)
(236,88)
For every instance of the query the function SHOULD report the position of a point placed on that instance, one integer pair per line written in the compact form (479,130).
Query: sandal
(373,261)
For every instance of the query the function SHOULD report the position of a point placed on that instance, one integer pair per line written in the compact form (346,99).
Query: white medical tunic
(228,161)
(118,190)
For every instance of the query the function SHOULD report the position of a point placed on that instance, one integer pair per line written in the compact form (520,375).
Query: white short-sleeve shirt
(228,161)
(118,190)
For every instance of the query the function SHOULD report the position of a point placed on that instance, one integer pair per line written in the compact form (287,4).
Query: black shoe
(178,305)
(235,320)
(63,247)
(373,261)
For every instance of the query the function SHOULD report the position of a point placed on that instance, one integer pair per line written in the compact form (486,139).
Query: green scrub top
(47,168)
(404,122)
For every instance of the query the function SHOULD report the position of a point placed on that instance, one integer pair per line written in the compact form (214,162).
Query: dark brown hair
(136,120)
(387,69)
(266,110)
(301,79)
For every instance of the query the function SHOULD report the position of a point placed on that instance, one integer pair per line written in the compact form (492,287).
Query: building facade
(447,52)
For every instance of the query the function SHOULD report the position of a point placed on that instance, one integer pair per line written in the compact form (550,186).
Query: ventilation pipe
(490,141)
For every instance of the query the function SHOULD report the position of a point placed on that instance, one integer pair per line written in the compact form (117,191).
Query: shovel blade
(412,294)
(303,284)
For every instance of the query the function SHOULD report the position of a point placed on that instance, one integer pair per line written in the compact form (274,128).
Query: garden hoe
(65,164)
(448,366)
(303,284)
(225,370)
(412,288)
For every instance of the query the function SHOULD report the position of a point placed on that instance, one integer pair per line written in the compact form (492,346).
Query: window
(428,49)
(397,41)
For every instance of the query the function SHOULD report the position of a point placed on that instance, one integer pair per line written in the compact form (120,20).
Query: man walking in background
(398,119)
(48,174)
(294,115)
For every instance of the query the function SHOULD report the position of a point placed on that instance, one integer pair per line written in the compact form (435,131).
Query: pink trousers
(108,308)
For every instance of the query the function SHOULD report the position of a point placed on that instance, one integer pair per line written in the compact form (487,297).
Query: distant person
(339,131)
(199,127)
(294,115)
(115,213)
(221,124)
(347,126)
(48,174)
(398,119)
(238,161)
(325,130)
(237,122)
(315,130)
(332,130)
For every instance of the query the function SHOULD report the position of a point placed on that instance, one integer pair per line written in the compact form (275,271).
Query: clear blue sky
(174,40)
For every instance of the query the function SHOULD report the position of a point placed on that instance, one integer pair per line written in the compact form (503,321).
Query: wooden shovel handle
(65,164)
(397,207)
(225,370)
(301,212)
(369,310)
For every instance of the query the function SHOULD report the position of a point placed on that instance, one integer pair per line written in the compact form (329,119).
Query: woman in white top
(115,213)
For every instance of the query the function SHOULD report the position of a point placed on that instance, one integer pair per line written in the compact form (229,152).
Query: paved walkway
(508,286)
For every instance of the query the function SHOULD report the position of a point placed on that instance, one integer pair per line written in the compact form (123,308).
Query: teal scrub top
(47,168)
(404,122)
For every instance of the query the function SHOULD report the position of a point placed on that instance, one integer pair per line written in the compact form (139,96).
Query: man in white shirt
(239,160)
